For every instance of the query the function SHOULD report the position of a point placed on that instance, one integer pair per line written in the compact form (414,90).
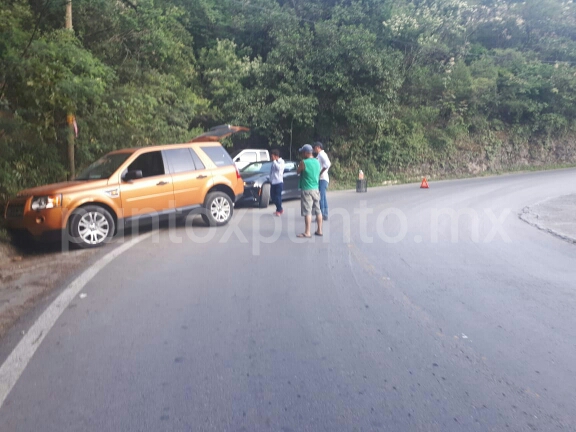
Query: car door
(290,180)
(151,194)
(189,176)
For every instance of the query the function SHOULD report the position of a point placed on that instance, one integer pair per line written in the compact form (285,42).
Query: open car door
(218,133)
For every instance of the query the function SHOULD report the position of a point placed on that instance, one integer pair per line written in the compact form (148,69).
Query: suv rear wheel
(91,226)
(218,209)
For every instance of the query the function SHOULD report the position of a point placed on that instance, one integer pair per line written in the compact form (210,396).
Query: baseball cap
(306,148)
(318,144)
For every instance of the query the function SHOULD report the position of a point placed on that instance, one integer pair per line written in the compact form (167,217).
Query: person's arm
(324,163)
(272,169)
(301,167)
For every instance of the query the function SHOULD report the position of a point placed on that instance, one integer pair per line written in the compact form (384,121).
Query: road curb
(533,217)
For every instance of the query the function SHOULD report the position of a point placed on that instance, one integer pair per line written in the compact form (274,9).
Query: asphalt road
(397,319)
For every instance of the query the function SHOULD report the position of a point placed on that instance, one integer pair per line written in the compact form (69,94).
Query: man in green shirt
(309,171)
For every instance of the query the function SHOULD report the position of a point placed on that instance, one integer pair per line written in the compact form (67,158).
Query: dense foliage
(391,86)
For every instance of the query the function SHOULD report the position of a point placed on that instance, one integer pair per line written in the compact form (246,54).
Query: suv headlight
(46,202)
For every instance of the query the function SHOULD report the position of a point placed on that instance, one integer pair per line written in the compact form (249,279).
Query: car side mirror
(133,175)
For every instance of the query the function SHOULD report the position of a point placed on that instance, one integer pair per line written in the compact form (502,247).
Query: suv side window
(180,160)
(263,155)
(151,164)
(219,156)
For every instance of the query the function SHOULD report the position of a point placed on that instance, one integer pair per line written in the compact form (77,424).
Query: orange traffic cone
(424,184)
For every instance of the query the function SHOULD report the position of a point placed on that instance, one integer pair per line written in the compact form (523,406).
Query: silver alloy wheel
(93,228)
(220,209)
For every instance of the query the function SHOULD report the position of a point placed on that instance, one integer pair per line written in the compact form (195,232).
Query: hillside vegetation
(395,87)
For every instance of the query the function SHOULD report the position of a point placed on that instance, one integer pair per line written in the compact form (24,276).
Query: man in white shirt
(324,179)
(277,181)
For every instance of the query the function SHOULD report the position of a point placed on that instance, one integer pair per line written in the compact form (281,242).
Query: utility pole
(291,131)
(69,15)
(70,119)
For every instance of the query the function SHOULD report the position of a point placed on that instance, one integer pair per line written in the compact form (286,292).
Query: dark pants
(323,203)
(276,195)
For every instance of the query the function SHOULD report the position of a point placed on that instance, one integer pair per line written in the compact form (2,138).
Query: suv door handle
(201,176)
(162,183)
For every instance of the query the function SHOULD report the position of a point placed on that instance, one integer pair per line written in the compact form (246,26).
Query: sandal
(302,235)
(318,234)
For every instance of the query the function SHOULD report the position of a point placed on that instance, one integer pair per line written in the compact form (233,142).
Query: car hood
(64,187)
(254,177)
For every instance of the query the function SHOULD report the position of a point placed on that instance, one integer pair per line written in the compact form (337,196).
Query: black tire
(91,226)
(264,196)
(218,209)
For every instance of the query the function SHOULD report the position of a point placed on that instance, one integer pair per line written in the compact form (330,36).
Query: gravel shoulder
(28,275)
(556,216)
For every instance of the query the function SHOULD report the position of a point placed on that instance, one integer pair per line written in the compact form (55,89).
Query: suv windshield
(104,167)
(256,167)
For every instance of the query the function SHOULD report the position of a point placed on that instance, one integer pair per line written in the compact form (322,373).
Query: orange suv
(133,184)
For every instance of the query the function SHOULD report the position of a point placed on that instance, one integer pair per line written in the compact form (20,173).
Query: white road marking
(17,361)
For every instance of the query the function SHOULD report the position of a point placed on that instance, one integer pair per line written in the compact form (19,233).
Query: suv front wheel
(91,226)
(218,209)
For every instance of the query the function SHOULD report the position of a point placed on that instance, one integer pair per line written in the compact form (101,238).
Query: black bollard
(361,185)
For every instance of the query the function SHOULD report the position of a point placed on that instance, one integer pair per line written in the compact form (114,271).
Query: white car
(246,156)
